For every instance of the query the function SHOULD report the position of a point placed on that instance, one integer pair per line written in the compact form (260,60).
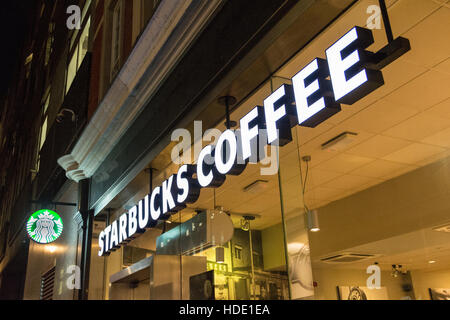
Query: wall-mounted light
(397,269)
(61,115)
(312,221)
(50,248)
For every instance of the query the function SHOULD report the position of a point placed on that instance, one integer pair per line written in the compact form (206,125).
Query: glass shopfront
(354,208)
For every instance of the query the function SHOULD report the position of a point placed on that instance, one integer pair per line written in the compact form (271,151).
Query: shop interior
(377,180)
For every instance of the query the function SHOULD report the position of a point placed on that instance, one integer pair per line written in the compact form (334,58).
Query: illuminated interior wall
(274,257)
(413,201)
(409,204)
(424,280)
(328,279)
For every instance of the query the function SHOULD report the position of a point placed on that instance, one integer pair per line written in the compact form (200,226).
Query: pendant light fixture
(312,220)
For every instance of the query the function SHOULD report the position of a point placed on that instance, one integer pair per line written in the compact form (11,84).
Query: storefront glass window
(373,182)
(78,54)
(353,208)
(242,255)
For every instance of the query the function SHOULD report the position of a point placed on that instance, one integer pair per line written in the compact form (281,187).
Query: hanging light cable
(312,219)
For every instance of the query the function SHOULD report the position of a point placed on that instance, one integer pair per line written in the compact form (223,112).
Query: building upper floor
(69,58)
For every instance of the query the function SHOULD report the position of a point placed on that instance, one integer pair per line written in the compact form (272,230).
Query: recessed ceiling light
(444,228)
(339,142)
(432,261)
(257,187)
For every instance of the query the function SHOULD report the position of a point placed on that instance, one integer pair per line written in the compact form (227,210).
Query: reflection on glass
(84,42)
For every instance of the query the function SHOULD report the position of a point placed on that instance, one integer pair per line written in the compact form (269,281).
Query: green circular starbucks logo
(44,226)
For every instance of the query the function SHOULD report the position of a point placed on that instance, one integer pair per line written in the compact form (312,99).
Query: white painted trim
(166,37)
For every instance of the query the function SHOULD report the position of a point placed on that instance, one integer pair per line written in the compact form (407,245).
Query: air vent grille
(47,284)
(340,142)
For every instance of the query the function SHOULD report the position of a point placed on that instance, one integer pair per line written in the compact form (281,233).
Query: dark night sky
(14,18)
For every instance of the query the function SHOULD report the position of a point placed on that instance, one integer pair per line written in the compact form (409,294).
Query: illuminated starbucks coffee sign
(348,74)
(44,226)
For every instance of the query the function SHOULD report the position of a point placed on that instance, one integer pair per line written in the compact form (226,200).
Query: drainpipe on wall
(87,216)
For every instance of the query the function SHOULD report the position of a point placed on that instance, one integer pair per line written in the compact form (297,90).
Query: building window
(49,43)
(79,45)
(28,61)
(78,54)
(116,38)
(238,252)
(43,130)
(257,260)
(45,121)
(148,9)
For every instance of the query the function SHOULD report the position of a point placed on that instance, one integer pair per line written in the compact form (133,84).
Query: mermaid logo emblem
(44,226)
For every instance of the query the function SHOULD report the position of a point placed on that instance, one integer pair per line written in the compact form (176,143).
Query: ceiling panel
(318,177)
(418,127)
(423,92)
(344,163)
(380,116)
(434,158)
(430,37)
(306,134)
(378,147)
(442,138)
(351,182)
(443,66)
(396,75)
(414,153)
(405,14)
(442,109)
(383,169)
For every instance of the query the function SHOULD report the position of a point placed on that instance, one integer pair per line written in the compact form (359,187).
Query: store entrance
(133,282)
(244,254)
(228,245)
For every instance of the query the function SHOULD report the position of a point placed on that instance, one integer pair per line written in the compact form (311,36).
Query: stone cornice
(167,36)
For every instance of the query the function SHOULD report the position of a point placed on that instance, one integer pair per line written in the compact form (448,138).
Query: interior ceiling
(400,127)
(403,125)
(412,250)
